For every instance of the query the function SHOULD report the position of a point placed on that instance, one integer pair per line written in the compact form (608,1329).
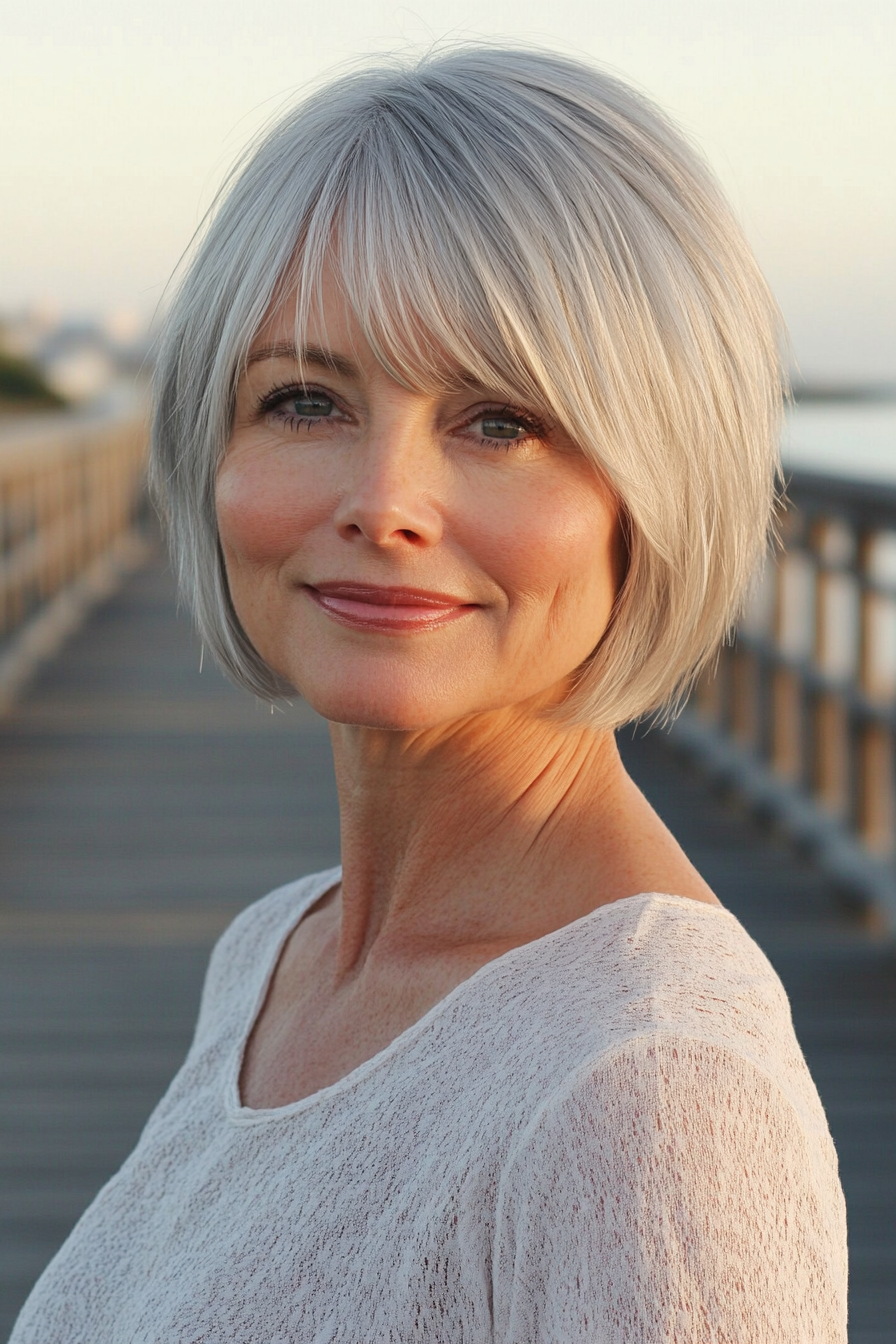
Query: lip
(367,606)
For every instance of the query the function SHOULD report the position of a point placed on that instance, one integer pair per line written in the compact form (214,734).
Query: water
(856,439)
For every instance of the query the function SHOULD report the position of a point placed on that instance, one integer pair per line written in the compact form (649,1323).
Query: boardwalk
(142,804)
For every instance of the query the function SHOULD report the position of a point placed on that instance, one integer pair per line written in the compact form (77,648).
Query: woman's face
(405,559)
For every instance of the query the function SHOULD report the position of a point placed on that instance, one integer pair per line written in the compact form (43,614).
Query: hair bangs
(421,280)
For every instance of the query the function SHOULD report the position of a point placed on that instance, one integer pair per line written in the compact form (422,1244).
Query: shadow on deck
(144,804)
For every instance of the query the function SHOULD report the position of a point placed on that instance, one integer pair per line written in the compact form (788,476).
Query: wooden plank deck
(142,804)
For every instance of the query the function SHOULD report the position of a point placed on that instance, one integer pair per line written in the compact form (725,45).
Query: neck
(453,839)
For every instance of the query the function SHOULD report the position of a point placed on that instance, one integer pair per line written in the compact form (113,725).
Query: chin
(388,710)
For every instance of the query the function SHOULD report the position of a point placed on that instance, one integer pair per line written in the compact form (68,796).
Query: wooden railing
(801,712)
(70,490)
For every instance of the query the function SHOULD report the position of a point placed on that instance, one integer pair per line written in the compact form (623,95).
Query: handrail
(70,489)
(801,710)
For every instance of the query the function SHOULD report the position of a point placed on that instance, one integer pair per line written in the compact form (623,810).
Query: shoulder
(685,1069)
(681,1153)
(669,963)
(672,1169)
(666,936)
(657,966)
(244,955)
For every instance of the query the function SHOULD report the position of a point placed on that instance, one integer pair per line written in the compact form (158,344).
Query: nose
(391,496)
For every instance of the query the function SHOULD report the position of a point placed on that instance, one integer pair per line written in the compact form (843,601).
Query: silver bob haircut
(523,219)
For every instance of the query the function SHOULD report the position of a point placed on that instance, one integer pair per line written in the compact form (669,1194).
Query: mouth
(364,606)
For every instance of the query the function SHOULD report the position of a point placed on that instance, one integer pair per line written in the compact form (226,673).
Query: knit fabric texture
(605,1136)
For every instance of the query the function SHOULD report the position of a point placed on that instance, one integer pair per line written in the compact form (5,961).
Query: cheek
(261,515)
(559,544)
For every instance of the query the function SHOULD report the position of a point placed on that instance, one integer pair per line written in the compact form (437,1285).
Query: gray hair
(537,224)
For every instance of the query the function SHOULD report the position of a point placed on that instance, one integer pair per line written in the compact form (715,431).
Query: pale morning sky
(119,122)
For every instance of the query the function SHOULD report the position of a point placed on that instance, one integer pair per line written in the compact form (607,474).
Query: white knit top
(606,1135)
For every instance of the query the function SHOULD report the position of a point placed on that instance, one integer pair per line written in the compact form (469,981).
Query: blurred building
(82,359)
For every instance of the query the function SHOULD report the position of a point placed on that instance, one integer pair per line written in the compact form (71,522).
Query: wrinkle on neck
(452,837)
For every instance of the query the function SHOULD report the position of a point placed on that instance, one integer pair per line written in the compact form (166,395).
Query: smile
(365,606)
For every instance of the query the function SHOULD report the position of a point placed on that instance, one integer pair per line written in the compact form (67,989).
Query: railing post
(874,766)
(830,723)
(786,727)
(708,696)
(744,696)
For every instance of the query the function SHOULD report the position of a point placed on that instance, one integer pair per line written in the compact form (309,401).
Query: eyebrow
(309,354)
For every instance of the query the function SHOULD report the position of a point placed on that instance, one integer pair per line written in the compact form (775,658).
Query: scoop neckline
(251,1115)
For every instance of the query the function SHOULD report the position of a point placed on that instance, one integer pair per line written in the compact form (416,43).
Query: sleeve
(671,1196)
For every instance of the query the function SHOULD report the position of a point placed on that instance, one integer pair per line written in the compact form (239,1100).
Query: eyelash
(275,398)
(534,429)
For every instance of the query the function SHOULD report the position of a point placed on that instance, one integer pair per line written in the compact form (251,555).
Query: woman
(465,430)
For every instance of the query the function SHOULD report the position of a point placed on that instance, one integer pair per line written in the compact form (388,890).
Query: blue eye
(502,427)
(310,405)
(298,407)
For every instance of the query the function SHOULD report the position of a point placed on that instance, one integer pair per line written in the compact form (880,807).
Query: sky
(119,123)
